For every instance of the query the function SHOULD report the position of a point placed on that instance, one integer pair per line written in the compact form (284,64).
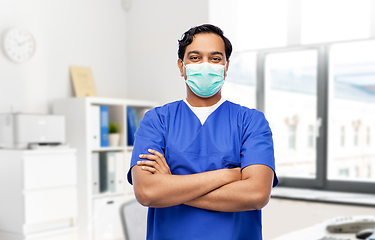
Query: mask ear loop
(183,64)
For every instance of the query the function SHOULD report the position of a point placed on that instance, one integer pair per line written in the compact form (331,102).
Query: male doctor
(203,165)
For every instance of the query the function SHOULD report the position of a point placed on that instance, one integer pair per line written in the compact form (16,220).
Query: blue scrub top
(232,136)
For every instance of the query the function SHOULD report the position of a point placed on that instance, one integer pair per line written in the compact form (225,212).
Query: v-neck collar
(195,109)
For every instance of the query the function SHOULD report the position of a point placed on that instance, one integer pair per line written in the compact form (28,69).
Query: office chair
(134,220)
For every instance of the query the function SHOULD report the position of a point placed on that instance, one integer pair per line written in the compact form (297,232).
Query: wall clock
(126,4)
(19,44)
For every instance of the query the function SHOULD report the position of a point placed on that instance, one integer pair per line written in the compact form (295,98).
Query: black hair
(187,39)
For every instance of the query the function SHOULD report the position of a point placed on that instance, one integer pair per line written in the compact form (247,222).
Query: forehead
(206,43)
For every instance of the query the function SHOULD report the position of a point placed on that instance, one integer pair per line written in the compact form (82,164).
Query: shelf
(82,128)
(60,231)
(106,195)
(107,149)
(129,148)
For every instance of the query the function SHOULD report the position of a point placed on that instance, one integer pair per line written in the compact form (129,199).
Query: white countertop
(360,199)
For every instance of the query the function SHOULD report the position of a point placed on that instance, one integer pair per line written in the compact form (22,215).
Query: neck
(197,101)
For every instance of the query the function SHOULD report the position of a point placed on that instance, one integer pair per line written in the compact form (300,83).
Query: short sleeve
(149,135)
(257,143)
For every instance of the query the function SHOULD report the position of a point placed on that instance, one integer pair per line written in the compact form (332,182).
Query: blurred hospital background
(291,41)
(309,65)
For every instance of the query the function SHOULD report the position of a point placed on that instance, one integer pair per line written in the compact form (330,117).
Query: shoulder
(161,113)
(249,120)
(243,113)
(165,109)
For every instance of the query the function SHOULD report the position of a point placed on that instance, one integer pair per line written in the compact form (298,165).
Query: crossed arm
(226,190)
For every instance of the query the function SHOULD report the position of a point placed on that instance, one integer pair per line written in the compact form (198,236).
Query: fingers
(157,162)
(148,156)
(161,161)
(157,154)
(147,165)
(150,169)
(161,156)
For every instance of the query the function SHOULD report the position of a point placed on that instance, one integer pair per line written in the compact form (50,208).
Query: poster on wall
(83,81)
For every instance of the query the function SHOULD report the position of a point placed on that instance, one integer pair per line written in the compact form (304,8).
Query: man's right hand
(155,163)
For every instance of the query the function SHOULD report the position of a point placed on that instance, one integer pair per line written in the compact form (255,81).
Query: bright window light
(334,20)
(251,24)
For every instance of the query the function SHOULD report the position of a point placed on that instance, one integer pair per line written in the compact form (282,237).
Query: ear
(180,65)
(226,69)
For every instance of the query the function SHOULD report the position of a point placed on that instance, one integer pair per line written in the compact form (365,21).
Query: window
(310,139)
(240,83)
(292,136)
(342,136)
(355,137)
(343,76)
(368,134)
(344,172)
(253,24)
(327,21)
(357,172)
(369,171)
(316,88)
(262,30)
(352,104)
(291,101)
(247,26)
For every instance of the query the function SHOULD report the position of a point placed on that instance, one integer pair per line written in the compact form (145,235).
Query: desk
(316,232)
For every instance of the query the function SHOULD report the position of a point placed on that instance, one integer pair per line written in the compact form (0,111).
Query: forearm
(252,192)
(233,197)
(164,190)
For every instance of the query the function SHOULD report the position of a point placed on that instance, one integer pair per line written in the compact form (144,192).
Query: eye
(194,58)
(216,59)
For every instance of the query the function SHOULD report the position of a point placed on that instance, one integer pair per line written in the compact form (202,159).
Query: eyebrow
(211,53)
(214,53)
(193,52)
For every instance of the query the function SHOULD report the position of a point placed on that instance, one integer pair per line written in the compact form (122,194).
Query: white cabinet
(60,171)
(38,194)
(98,212)
(107,222)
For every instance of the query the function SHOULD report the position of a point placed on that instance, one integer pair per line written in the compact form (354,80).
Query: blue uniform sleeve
(257,143)
(149,135)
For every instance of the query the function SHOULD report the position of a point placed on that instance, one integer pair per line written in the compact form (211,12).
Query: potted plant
(114,134)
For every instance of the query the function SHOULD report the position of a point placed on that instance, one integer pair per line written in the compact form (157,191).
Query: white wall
(153,29)
(86,32)
(132,53)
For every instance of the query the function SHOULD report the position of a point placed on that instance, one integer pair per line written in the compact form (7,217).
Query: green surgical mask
(205,79)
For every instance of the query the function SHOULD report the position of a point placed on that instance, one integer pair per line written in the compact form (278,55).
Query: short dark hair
(187,39)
